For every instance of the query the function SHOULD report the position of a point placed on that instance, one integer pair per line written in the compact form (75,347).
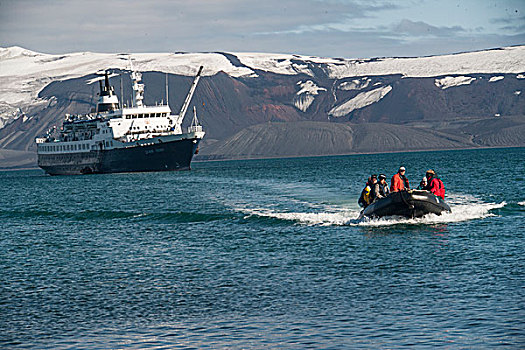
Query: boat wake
(464,208)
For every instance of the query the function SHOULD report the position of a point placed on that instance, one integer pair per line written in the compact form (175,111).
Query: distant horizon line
(260,52)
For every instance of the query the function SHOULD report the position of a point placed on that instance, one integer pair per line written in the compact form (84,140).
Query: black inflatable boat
(410,204)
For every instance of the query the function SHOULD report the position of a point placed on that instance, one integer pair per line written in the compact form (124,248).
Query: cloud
(514,24)
(418,29)
(121,24)
(339,28)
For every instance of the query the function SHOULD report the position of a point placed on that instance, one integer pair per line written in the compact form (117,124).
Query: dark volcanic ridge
(274,139)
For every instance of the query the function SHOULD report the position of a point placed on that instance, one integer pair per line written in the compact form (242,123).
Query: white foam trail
(464,208)
(320,218)
(459,213)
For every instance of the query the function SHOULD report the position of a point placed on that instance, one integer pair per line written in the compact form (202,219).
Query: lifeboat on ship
(409,204)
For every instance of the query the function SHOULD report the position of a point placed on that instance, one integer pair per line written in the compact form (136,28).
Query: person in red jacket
(434,184)
(399,182)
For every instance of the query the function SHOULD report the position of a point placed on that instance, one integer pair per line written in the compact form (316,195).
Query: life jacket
(441,189)
(436,187)
(366,196)
(398,183)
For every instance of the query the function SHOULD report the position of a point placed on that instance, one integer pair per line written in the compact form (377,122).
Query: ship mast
(138,87)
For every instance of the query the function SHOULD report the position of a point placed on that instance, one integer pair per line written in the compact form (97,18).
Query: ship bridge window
(128,117)
(141,115)
(134,116)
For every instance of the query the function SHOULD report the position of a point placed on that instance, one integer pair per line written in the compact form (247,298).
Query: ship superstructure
(116,138)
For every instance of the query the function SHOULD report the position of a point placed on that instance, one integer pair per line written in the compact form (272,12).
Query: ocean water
(264,254)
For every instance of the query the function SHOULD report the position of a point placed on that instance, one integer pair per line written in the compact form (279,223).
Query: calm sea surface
(264,254)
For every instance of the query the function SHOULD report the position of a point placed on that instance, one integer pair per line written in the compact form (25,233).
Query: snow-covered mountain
(244,89)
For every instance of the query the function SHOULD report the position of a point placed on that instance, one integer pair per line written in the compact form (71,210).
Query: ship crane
(186,104)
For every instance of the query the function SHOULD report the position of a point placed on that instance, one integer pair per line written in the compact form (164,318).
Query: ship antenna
(167,95)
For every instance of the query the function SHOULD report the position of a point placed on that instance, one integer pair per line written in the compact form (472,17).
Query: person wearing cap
(399,182)
(366,197)
(381,188)
(434,184)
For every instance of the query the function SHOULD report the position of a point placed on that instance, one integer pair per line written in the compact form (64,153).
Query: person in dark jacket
(367,194)
(423,183)
(381,189)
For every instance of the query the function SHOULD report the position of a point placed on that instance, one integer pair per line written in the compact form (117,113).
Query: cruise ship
(116,138)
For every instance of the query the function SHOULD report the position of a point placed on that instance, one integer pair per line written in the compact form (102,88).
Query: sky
(326,28)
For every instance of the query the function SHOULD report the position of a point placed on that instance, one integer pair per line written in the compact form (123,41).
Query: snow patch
(16,51)
(309,87)
(363,99)
(496,78)
(94,80)
(356,84)
(283,63)
(506,60)
(305,97)
(302,102)
(447,82)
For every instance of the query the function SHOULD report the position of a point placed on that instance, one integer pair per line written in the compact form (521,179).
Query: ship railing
(195,128)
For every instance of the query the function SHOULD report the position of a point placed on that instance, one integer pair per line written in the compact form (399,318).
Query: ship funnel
(107,101)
